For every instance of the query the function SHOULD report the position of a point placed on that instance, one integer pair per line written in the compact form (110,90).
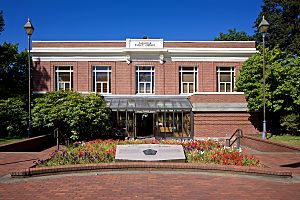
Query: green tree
(282,86)
(2,24)
(76,115)
(13,71)
(13,117)
(284,19)
(234,35)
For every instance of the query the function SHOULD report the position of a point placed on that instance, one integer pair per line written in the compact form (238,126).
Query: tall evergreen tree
(13,71)
(284,19)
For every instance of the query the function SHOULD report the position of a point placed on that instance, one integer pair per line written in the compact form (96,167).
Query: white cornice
(209,59)
(78,58)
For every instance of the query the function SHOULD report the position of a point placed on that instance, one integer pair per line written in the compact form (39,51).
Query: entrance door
(144,124)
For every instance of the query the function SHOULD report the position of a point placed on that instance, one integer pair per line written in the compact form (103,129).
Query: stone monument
(150,152)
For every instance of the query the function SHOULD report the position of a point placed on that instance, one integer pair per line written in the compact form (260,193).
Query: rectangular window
(188,77)
(102,79)
(145,79)
(225,79)
(63,78)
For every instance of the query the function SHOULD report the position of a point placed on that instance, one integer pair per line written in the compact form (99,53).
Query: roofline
(167,41)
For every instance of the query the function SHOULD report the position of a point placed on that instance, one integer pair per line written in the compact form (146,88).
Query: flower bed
(103,151)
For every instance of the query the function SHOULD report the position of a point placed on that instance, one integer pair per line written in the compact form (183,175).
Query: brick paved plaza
(149,185)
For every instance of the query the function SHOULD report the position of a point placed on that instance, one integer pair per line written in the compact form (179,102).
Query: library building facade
(154,88)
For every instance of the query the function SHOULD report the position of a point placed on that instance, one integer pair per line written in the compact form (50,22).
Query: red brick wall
(41,76)
(222,124)
(123,76)
(36,44)
(219,44)
(218,98)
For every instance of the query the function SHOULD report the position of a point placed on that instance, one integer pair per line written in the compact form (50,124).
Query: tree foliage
(234,35)
(282,84)
(81,117)
(284,19)
(13,71)
(2,24)
(13,117)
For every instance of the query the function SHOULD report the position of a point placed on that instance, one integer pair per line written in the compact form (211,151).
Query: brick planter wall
(266,146)
(29,145)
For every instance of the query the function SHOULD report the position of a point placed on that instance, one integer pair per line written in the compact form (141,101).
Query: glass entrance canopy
(148,103)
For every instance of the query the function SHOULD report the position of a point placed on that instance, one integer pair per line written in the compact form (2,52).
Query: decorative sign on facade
(145,43)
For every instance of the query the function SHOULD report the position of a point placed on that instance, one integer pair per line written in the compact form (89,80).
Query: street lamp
(29,30)
(263,28)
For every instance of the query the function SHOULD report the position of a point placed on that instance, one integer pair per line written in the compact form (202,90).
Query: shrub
(291,123)
(77,116)
(13,117)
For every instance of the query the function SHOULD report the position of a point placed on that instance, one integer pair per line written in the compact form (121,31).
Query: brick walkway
(278,160)
(10,161)
(149,185)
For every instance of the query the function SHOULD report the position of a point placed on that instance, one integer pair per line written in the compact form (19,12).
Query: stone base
(150,152)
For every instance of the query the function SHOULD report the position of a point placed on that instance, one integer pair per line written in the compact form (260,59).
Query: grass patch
(286,139)
(9,140)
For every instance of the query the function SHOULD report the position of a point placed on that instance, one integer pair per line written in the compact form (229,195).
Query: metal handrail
(239,134)
(59,136)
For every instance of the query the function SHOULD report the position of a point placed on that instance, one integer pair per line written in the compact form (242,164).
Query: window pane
(222,87)
(185,88)
(191,88)
(63,68)
(225,77)
(101,76)
(102,68)
(225,68)
(188,77)
(141,87)
(99,87)
(67,86)
(104,88)
(148,88)
(64,76)
(61,86)
(228,88)
(144,68)
(145,77)
(188,68)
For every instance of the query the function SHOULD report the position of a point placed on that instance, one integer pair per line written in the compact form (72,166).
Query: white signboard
(145,43)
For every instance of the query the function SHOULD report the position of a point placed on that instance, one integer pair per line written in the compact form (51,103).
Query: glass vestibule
(173,124)
(177,124)
(159,117)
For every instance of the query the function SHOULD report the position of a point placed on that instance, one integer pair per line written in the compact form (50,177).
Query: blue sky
(118,20)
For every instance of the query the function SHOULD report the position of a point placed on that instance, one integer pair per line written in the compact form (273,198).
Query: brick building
(153,87)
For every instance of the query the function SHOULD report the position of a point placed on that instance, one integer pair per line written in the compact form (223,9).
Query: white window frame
(57,71)
(183,69)
(232,78)
(152,79)
(95,82)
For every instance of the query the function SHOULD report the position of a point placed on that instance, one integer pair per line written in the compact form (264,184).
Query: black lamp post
(29,30)
(263,28)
